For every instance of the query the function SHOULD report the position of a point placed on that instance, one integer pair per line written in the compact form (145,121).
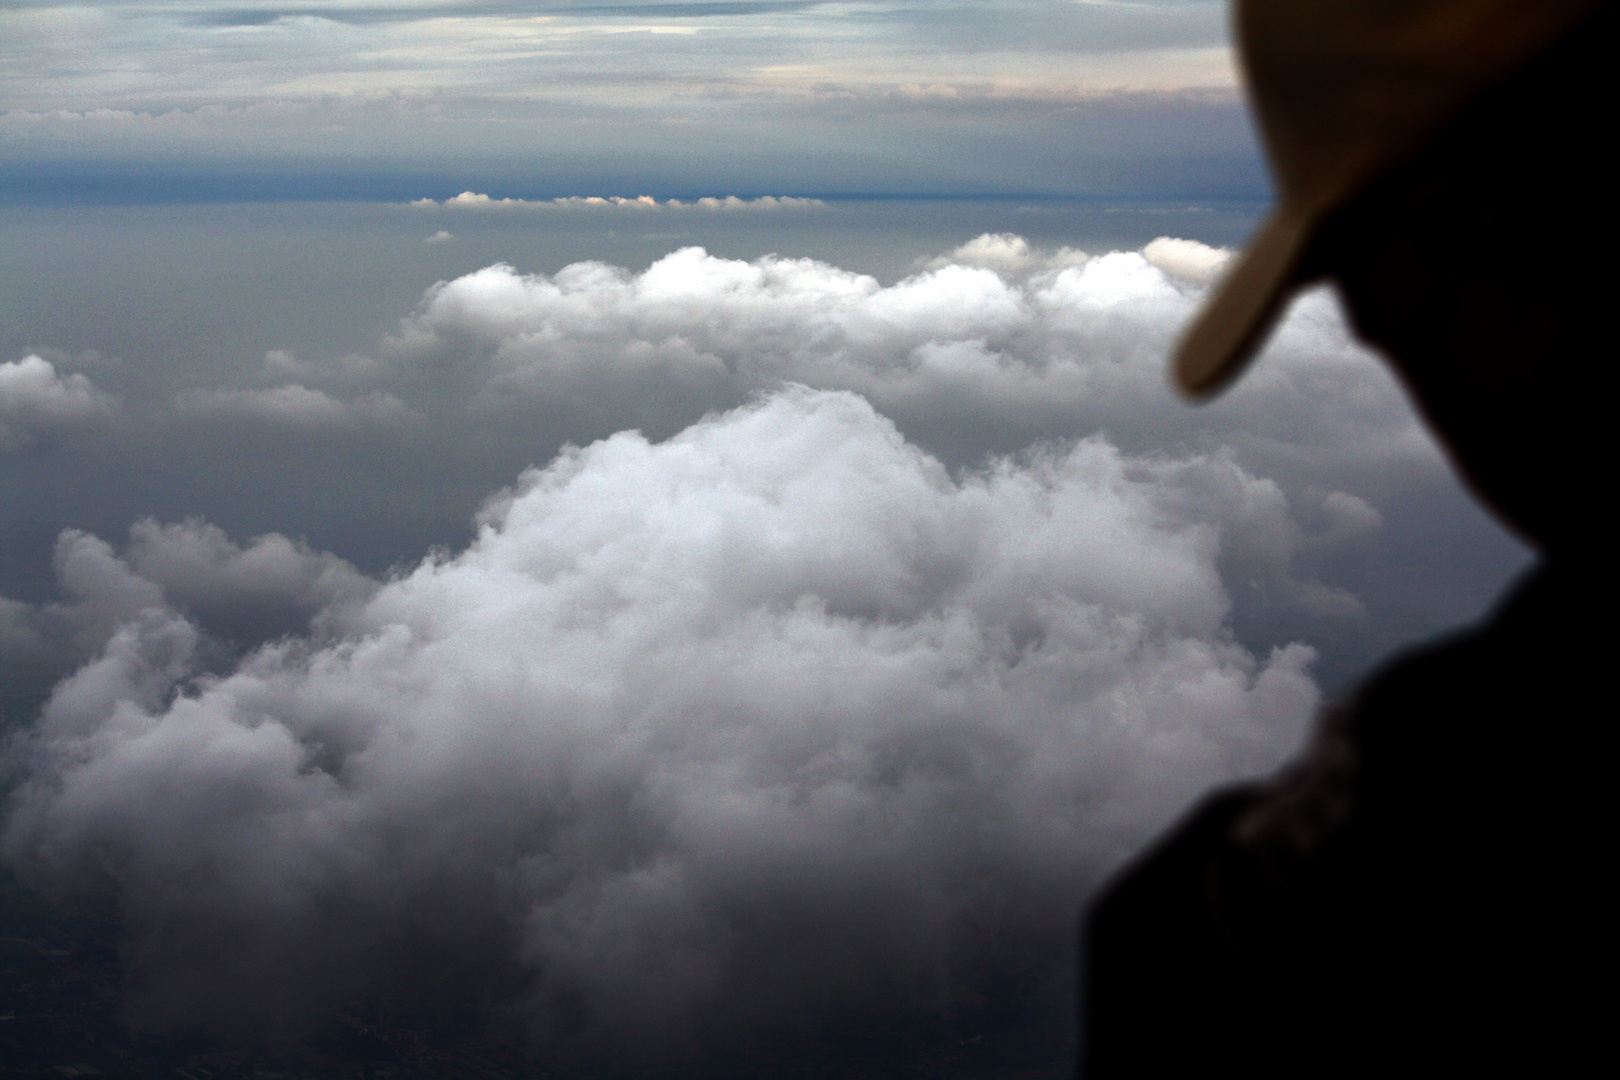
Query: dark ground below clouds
(62,1016)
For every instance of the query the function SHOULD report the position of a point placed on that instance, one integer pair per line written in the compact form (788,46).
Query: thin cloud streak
(164,61)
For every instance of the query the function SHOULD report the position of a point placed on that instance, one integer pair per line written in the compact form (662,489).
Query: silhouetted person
(1425,890)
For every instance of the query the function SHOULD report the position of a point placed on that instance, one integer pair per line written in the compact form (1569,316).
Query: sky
(655,518)
(367,99)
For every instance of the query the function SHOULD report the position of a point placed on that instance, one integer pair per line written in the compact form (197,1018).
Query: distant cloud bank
(472,200)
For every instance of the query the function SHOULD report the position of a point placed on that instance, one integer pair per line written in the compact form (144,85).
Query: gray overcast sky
(1026,96)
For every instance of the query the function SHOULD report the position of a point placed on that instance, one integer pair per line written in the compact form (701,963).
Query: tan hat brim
(1245,304)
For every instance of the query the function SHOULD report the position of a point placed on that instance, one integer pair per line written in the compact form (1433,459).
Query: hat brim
(1247,300)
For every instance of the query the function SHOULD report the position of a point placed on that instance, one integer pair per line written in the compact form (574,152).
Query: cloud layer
(767,724)
(844,635)
(988,349)
(1009,96)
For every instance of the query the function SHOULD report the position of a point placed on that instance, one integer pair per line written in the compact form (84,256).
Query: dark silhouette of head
(1443,162)
(1483,269)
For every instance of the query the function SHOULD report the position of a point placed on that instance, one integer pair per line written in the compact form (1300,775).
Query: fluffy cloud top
(36,400)
(1009,255)
(987,349)
(1186,259)
(770,722)
(984,349)
(990,346)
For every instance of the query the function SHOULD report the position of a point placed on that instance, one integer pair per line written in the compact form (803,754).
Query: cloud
(771,723)
(36,401)
(274,583)
(1187,259)
(283,364)
(472,200)
(1020,97)
(21,644)
(1008,255)
(443,236)
(597,52)
(992,347)
(293,404)
(235,595)
(985,348)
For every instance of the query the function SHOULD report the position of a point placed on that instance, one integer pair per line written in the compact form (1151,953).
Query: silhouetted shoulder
(1419,887)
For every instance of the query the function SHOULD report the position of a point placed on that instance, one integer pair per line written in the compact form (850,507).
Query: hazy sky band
(1039,97)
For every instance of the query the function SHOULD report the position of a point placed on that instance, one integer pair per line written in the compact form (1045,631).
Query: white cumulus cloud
(36,400)
(771,721)
(1009,255)
(1186,259)
(997,340)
